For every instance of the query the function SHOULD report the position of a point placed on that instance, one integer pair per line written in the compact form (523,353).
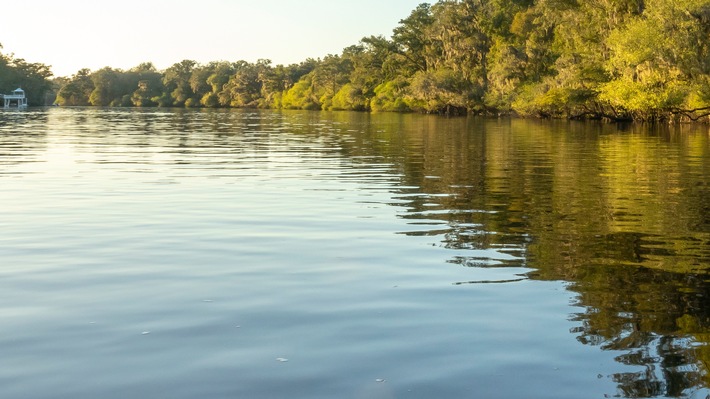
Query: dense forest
(600,59)
(33,77)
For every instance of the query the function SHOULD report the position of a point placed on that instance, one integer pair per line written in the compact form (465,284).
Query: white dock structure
(16,99)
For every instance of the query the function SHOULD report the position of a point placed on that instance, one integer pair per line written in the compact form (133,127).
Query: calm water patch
(264,254)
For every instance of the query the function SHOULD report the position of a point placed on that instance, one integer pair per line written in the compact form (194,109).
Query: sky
(72,34)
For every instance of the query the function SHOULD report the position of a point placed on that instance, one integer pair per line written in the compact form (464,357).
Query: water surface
(264,254)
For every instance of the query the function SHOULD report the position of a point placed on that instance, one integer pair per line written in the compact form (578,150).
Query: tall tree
(77,90)
(177,81)
(411,38)
(150,85)
(31,77)
(106,87)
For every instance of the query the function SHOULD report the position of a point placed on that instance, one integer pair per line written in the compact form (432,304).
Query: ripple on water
(380,259)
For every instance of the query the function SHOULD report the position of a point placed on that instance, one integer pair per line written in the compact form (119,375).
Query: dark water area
(266,254)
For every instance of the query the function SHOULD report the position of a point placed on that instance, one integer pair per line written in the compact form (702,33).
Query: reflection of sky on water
(622,217)
(452,240)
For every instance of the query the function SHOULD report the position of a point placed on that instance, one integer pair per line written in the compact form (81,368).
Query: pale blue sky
(74,34)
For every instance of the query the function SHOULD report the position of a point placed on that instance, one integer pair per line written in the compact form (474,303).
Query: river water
(265,254)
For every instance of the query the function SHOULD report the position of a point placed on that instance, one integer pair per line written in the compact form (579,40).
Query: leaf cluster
(34,78)
(606,59)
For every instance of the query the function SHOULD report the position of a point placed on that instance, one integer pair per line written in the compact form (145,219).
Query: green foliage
(389,96)
(163,100)
(410,38)
(150,85)
(176,80)
(530,101)
(507,71)
(349,97)
(31,77)
(210,100)
(77,90)
(645,100)
(330,75)
(301,95)
(614,59)
(107,87)
(191,103)
(657,60)
(442,91)
(244,87)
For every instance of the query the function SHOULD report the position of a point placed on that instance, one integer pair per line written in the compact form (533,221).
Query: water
(261,254)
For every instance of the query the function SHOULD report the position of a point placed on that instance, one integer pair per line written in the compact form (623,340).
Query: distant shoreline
(599,60)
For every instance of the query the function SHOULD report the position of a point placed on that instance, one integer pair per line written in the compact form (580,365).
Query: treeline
(601,59)
(32,77)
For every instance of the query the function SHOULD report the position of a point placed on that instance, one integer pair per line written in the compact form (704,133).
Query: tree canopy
(601,59)
(32,77)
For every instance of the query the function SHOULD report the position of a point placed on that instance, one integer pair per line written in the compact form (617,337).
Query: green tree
(77,90)
(411,38)
(150,85)
(611,59)
(658,61)
(443,91)
(328,77)
(219,73)
(107,88)
(244,88)
(177,81)
(301,95)
(31,77)
(390,96)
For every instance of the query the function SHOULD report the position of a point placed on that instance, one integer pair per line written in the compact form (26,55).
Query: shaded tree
(31,77)
(77,90)
(150,85)
(177,81)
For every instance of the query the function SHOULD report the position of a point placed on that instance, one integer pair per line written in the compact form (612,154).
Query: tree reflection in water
(621,213)
(658,320)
